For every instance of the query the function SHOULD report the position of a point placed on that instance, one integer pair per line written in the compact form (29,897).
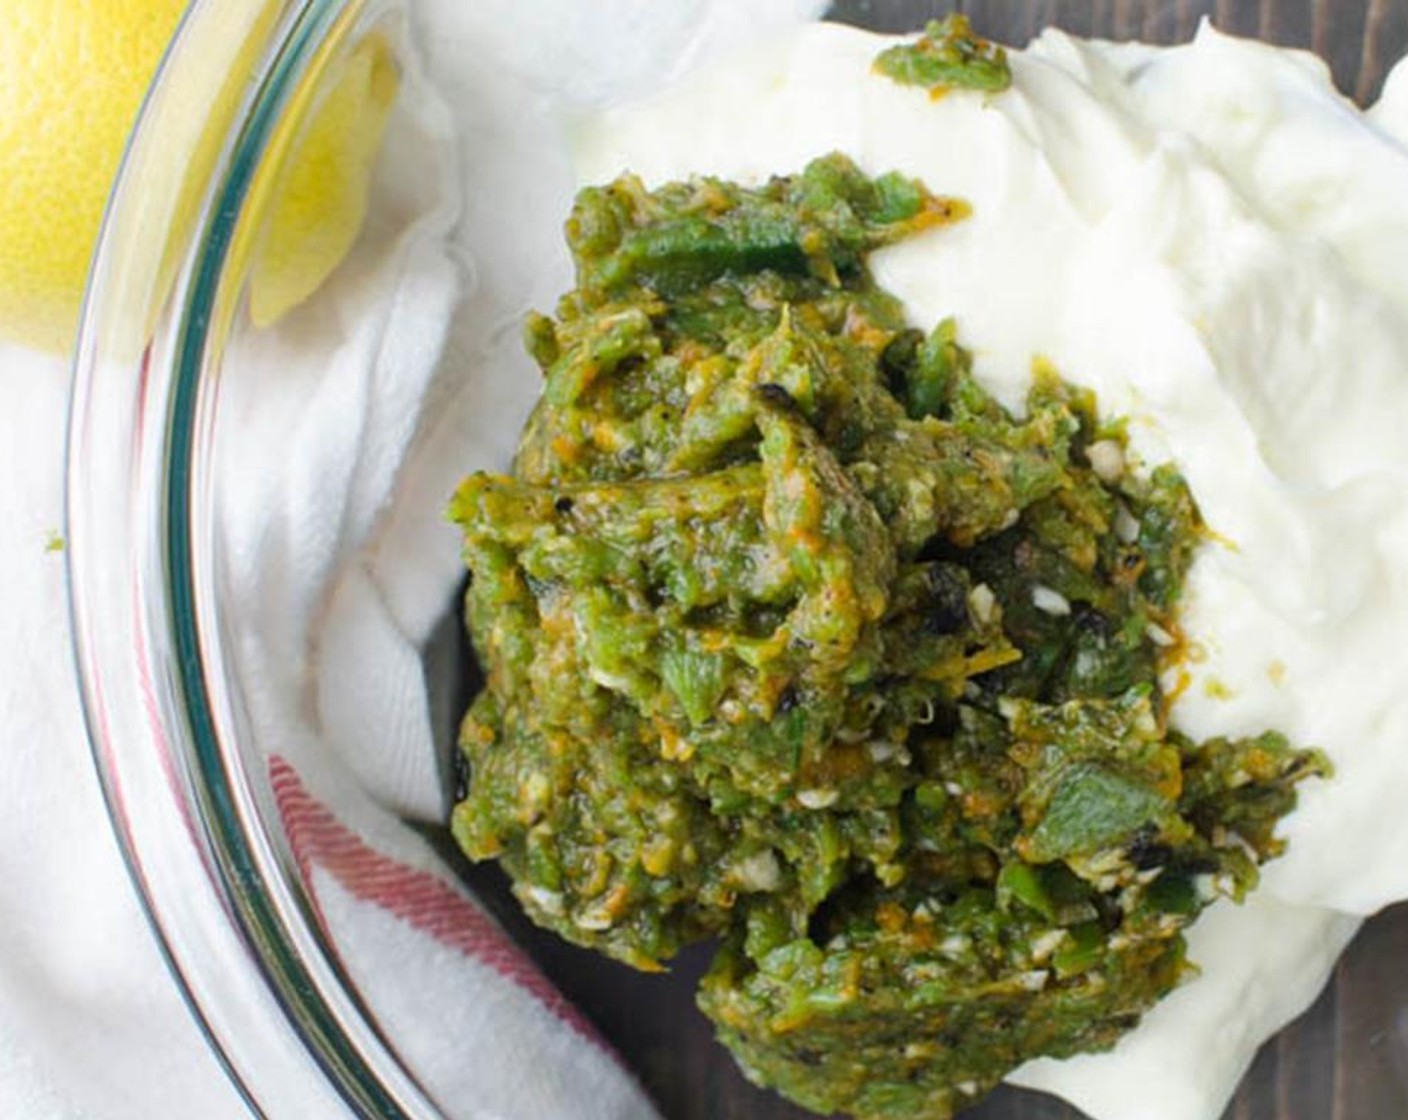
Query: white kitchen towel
(85,1001)
(337,535)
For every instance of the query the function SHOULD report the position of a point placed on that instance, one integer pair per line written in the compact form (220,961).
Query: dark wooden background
(1347,1059)
(1360,38)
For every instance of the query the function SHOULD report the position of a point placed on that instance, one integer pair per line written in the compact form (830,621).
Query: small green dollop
(948,56)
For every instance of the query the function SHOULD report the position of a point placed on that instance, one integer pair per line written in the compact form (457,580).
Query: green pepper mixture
(794,638)
(947,56)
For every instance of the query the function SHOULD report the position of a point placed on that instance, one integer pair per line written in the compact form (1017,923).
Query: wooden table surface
(1347,1059)
(1360,38)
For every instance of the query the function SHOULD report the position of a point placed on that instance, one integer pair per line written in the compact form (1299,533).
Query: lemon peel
(73,74)
(319,202)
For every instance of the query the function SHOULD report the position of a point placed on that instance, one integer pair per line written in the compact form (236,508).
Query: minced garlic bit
(818,798)
(759,872)
(1106,458)
(1050,601)
(1159,636)
(983,603)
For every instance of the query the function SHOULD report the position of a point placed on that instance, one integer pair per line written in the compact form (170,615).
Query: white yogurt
(1217,243)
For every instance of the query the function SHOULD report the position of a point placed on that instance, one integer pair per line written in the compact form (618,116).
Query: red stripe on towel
(426,901)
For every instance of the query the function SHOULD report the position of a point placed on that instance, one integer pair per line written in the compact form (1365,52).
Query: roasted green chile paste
(794,638)
(947,56)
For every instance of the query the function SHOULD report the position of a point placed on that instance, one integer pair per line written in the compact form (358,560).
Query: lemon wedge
(72,77)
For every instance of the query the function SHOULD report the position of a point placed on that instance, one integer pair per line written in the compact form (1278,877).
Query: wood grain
(1347,1059)
(1360,39)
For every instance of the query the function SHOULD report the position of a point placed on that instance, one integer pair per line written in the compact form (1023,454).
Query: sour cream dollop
(1216,242)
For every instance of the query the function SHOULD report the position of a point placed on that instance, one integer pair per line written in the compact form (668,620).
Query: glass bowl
(168,349)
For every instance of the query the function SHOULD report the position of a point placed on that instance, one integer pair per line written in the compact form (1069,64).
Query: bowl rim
(222,896)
